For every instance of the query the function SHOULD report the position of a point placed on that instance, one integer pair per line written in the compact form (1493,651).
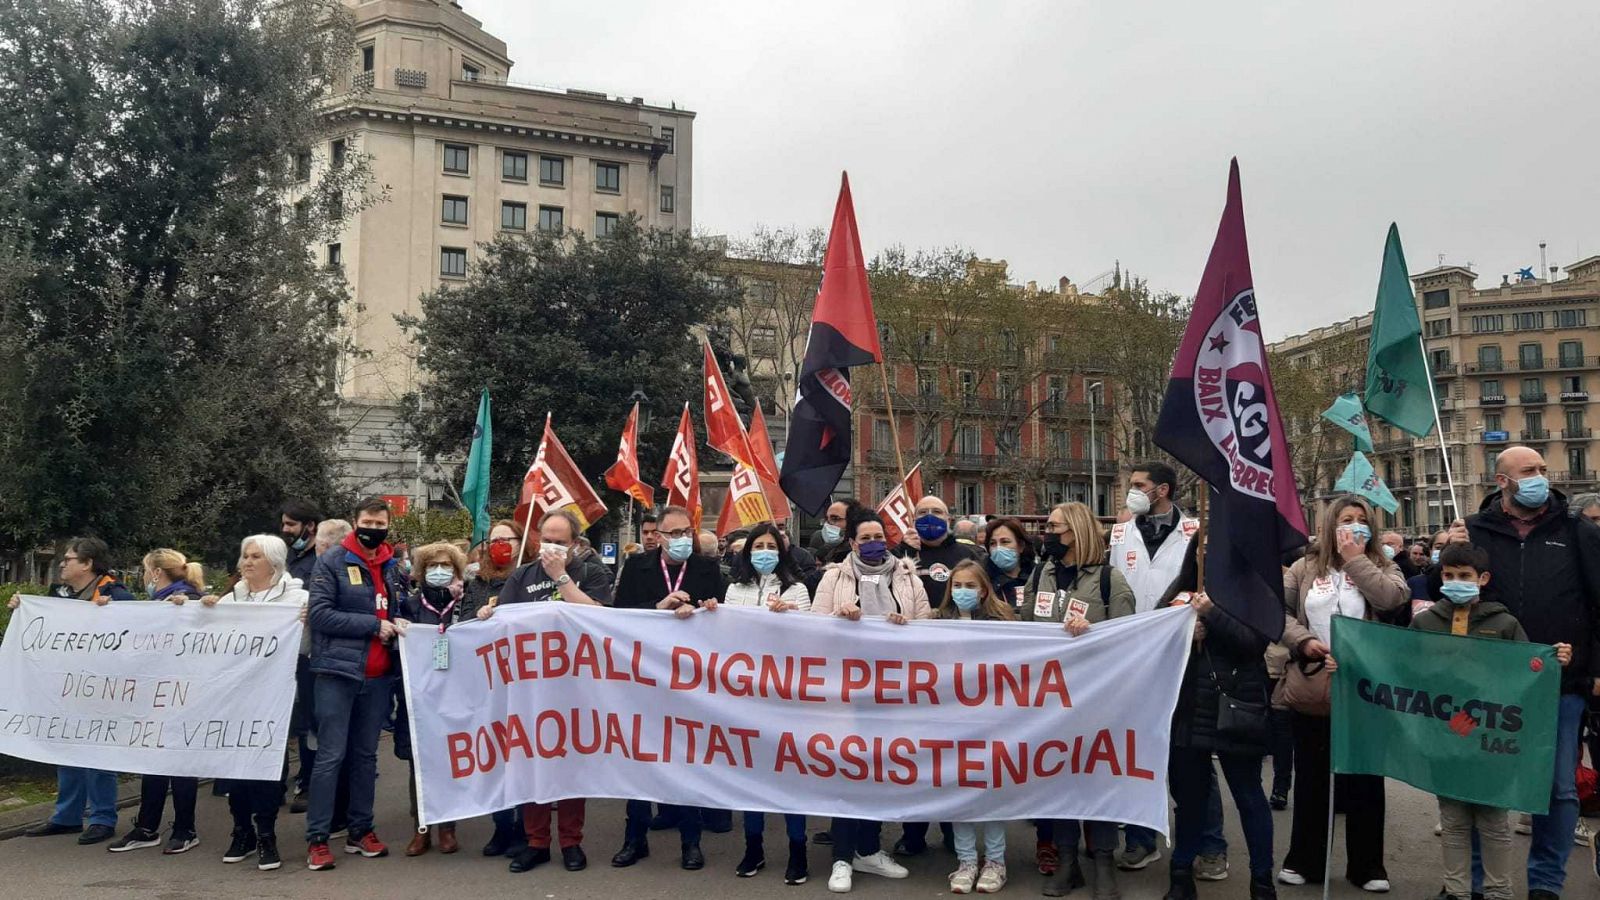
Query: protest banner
(150,688)
(748,709)
(1469,718)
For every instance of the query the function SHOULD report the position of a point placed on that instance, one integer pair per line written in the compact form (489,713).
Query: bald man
(1544,566)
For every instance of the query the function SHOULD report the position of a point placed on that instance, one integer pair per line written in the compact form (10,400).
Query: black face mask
(371,538)
(1052,548)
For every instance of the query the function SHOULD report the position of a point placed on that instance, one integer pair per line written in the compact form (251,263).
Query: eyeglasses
(67,559)
(677,532)
(1055,527)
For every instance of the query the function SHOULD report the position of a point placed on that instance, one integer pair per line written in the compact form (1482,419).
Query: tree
(570,325)
(1306,383)
(777,272)
(168,337)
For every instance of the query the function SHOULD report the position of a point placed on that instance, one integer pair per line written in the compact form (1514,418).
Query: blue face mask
(439,576)
(932,528)
(831,533)
(1004,558)
(1388,552)
(1360,532)
(1532,492)
(1460,593)
(680,548)
(966,598)
(872,552)
(764,561)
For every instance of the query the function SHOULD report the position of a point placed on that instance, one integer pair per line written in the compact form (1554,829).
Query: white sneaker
(1583,836)
(1290,876)
(879,864)
(1376,886)
(963,878)
(839,881)
(993,877)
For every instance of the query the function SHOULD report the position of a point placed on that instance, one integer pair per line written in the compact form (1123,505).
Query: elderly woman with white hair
(263,578)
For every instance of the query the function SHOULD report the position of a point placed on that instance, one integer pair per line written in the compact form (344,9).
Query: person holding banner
(1075,584)
(263,578)
(169,577)
(765,576)
(1346,575)
(85,568)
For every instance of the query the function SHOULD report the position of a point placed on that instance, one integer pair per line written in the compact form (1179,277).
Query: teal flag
(1346,412)
(1397,372)
(475,487)
(1360,478)
(1469,718)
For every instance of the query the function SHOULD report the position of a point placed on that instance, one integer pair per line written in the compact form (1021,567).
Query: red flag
(624,473)
(554,482)
(767,465)
(682,479)
(898,510)
(724,431)
(747,503)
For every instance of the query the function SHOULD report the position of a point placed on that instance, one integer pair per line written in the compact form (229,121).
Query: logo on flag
(1230,396)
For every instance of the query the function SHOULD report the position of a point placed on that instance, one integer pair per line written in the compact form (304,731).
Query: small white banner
(150,688)
(748,709)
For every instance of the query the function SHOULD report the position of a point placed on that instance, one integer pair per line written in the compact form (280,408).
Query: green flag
(475,487)
(1397,372)
(1469,718)
(1360,478)
(1346,412)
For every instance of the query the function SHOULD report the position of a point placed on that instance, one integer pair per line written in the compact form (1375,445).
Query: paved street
(47,868)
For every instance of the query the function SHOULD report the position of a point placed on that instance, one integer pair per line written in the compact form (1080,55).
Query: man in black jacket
(1546,567)
(297,525)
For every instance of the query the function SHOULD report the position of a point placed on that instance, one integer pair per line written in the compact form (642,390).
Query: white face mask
(1138,502)
(558,548)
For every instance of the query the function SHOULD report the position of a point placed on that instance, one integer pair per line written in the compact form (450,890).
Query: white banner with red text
(150,688)
(747,709)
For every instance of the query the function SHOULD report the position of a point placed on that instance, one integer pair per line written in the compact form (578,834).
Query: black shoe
(501,842)
(754,860)
(631,852)
(823,839)
(529,857)
(267,857)
(1279,800)
(796,871)
(181,842)
(244,843)
(717,821)
(1067,877)
(1543,895)
(664,821)
(574,859)
(1181,885)
(905,847)
(49,829)
(137,839)
(693,859)
(94,834)
(1263,890)
(297,806)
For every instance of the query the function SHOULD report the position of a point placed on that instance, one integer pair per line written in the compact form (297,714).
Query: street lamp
(1094,473)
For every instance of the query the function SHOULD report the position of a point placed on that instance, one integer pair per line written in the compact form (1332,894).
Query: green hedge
(9,590)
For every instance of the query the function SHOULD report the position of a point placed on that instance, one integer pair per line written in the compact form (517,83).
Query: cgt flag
(624,473)
(1220,418)
(1360,478)
(746,503)
(898,509)
(553,482)
(844,333)
(682,478)
(767,465)
(1473,719)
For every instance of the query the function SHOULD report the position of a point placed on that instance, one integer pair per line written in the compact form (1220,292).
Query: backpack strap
(1105,588)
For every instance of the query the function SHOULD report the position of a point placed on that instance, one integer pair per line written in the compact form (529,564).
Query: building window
(608,177)
(1436,299)
(302,166)
(1527,321)
(368,58)
(1574,422)
(1438,328)
(1571,384)
(1005,387)
(1578,464)
(969,441)
(513,216)
(336,152)
(1571,353)
(671,137)
(927,386)
(1493,422)
(605,223)
(1008,441)
(667,199)
(1530,356)
(302,214)
(1007,498)
(1488,324)
(882,437)
(552,170)
(968,383)
(1534,423)
(470,72)
(453,262)
(514,166)
(764,340)
(1060,443)
(454,211)
(550,218)
(971,497)
(927,438)
(1532,390)
(1438,360)
(1572,318)
(1056,389)
(456,158)
(336,206)
(1491,389)
(1489,358)
(335,256)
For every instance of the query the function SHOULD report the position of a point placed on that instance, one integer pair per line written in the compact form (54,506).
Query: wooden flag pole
(894,429)
(1200,538)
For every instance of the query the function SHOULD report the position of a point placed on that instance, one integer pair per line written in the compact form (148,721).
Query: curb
(17,821)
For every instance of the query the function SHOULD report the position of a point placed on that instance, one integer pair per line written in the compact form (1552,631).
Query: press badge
(441,653)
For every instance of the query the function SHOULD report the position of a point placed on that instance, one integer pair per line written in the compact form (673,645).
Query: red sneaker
(319,857)
(1047,857)
(369,846)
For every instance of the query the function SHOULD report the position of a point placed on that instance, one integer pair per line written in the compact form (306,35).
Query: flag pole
(1438,424)
(527,523)
(1327,860)
(1200,538)
(894,429)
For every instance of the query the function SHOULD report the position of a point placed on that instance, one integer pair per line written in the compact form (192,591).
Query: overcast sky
(1064,136)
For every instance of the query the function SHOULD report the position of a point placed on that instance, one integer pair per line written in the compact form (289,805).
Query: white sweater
(755,593)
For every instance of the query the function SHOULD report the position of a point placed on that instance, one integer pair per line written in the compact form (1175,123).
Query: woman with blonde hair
(441,570)
(1073,584)
(1346,575)
(168,576)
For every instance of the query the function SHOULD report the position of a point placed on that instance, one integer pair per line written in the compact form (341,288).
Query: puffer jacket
(1045,601)
(1485,618)
(839,588)
(343,616)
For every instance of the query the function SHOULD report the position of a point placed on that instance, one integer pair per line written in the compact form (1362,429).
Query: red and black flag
(844,333)
(1220,418)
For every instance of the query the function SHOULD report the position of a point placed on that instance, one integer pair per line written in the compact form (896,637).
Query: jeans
(153,802)
(1212,843)
(1552,833)
(350,716)
(638,825)
(254,806)
(755,824)
(77,788)
(1187,773)
(994,842)
(1101,835)
(855,837)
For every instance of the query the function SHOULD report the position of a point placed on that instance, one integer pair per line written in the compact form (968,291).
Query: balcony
(1492,400)
(1538,399)
(1536,434)
(1577,434)
(361,81)
(1401,443)
(1574,396)
(1584,477)
(1068,409)
(411,78)
(1531,365)
(1486,367)
(1077,465)
(1444,370)
(1571,362)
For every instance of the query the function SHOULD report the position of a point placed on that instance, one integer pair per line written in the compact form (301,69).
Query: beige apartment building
(459,154)
(1517,363)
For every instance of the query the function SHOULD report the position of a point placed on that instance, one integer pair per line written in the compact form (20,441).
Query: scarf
(875,597)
